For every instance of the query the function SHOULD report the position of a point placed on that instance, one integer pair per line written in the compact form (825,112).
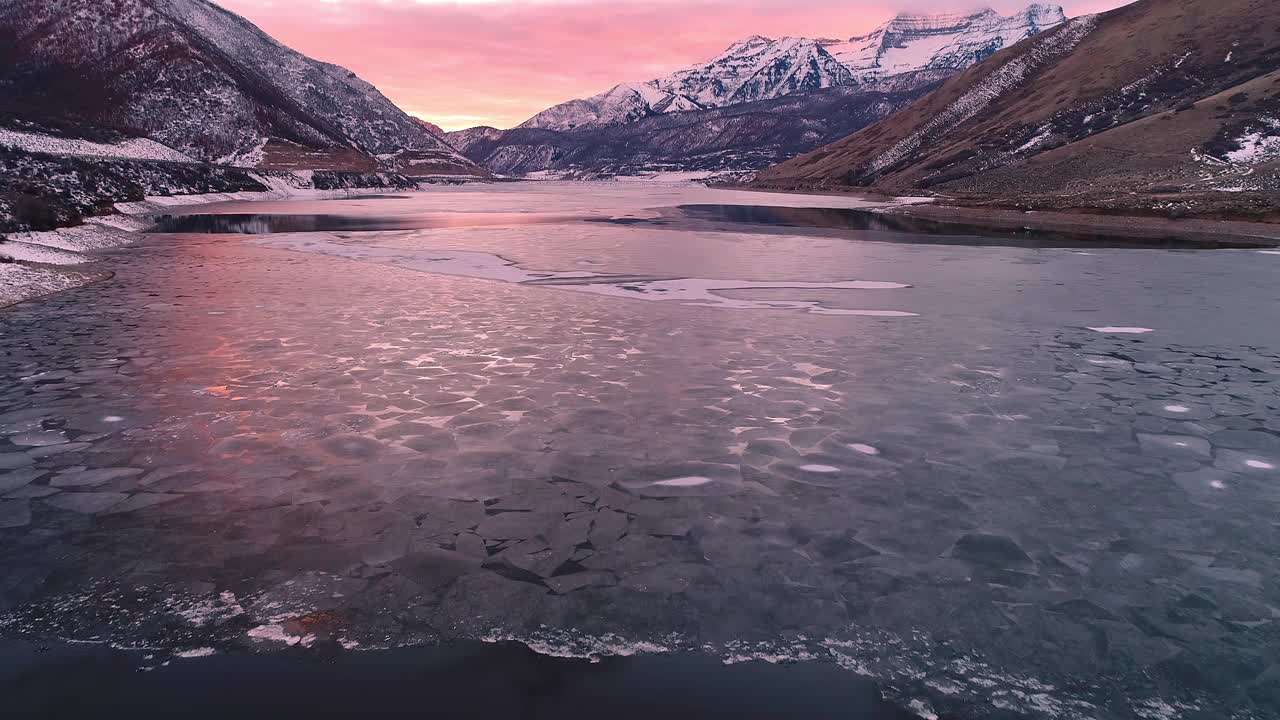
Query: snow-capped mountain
(622,104)
(749,70)
(729,139)
(206,82)
(910,42)
(760,68)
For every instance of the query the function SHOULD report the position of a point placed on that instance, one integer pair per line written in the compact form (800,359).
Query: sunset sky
(460,63)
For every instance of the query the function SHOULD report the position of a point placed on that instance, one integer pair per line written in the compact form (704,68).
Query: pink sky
(460,63)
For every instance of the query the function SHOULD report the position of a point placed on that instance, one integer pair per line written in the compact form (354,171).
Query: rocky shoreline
(34,264)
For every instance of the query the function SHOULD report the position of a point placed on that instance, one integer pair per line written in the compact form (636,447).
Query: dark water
(466,680)
(836,222)
(264,224)
(900,228)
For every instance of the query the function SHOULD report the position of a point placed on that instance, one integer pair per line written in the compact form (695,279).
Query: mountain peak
(974,13)
(749,42)
(911,42)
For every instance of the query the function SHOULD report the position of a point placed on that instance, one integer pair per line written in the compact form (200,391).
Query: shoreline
(1194,230)
(34,265)
(37,264)
(1081,221)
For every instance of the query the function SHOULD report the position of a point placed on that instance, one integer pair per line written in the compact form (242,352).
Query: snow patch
(1257,146)
(19,283)
(33,253)
(132,149)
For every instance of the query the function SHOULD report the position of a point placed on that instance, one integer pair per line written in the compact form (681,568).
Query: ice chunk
(690,481)
(1122,330)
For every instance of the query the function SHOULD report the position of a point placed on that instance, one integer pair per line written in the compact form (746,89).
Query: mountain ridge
(762,68)
(206,82)
(728,139)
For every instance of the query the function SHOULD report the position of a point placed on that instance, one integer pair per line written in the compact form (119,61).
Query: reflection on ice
(487,266)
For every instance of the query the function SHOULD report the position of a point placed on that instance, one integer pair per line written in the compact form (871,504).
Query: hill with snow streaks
(1161,105)
(206,83)
(760,68)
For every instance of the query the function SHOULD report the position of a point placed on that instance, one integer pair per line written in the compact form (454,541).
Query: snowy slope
(196,78)
(760,68)
(916,42)
(133,148)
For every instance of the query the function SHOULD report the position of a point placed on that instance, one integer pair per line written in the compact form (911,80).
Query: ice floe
(1122,330)
(690,481)
(488,266)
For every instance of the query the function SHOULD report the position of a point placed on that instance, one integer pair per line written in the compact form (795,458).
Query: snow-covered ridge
(918,42)
(132,149)
(988,90)
(762,68)
(757,69)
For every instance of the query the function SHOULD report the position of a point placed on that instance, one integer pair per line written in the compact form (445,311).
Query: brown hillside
(1124,97)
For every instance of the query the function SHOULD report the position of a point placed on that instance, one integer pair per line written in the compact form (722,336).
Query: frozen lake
(1023,473)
